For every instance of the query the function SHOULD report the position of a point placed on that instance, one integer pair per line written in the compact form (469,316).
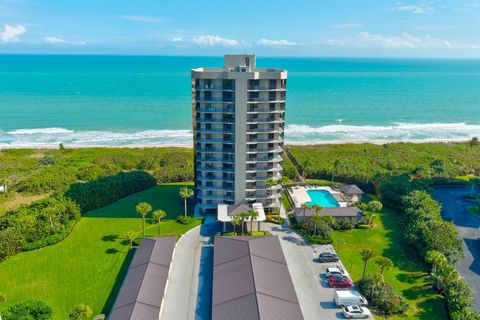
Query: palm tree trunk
(251,225)
(242,226)
(185,207)
(234,228)
(143,227)
(159,227)
(364,269)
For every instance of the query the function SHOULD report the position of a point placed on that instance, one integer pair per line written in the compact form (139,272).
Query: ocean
(146,100)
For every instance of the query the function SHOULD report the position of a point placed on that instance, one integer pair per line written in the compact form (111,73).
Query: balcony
(215,110)
(266,88)
(214,120)
(214,140)
(211,149)
(214,100)
(214,188)
(211,87)
(214,169)
(213,178)
(217,130)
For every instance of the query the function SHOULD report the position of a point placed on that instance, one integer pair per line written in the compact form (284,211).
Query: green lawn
(89,265)
(409,275)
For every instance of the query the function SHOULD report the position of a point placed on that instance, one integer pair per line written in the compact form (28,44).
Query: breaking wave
(51,137)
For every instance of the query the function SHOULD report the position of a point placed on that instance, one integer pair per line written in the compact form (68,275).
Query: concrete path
(188,293)
(454,208)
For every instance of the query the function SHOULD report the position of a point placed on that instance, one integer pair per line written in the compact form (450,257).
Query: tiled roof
(251,280)
(351,189)
(142,291)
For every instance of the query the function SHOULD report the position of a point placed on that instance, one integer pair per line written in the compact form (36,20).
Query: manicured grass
(88,266)
(409,275)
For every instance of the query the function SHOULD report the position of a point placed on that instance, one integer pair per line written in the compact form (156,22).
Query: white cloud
(404,40)
(348,25)
(276,43)
(60,41)
(11,33)
(417,9)
(212,40)
(177,39)
(143,19)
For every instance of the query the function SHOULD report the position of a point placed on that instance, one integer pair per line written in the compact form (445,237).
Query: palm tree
(305,206)
(253,216)
(186,193)
(51,214)
(377,279)
(236,220)
(131,236)
(315,219)
(270,183)
(384,263)
(439,265)
(159,215)
(317,208)
(366,255)
(369,218)
(283,182)
(143,208)
(81,312)
(243,216)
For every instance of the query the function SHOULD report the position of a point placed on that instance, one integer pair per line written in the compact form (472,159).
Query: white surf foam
(51,137)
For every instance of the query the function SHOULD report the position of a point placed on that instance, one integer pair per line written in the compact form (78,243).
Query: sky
(342,28)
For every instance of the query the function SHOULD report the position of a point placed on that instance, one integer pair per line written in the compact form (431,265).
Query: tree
(440,268)
(243,216)
(473,142)
(270,182)
(317,208)
(236,220)
(3,297)
(376,280)
(186,193)
(143,208)
(28,310)
(81,312)
(336,165)
(315,219)
(366,255)
(51,214)
(283,182)
(305,206)
(369,218)
(159,215)
(375,206)
(131,236)
(384,263)
(253,216)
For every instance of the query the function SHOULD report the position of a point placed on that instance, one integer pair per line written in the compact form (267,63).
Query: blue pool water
(322,198)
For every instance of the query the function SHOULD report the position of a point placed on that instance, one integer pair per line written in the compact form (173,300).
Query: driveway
(315,297)
(189,289)
(455,209)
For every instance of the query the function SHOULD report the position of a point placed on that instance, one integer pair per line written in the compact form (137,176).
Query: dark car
(327,257)
(339,282)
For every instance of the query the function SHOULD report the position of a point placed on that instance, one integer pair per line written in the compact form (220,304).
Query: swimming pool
(322,198)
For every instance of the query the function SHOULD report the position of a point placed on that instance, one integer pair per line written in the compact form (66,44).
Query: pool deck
(300,196)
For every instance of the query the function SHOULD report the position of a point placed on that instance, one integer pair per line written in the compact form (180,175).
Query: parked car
(337,271)
(339,282)
(327,257)
(344,298)
(356,312)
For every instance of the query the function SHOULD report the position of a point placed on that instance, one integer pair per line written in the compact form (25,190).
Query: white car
(339,271)
(356,312)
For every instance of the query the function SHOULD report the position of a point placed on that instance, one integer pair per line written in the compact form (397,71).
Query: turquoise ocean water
(145,100)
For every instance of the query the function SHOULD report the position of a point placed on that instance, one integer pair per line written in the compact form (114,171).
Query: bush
(184,220)
(346,224)
(101,192)
(229,234)
(28,310)
(381,295)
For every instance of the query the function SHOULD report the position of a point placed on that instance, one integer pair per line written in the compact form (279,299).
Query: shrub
(106,190)
(28,310)
(382,295)
(184,220)
(48,160)
(346,223)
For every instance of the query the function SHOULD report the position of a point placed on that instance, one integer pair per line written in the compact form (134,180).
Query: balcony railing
(216,110)
(215,120)
(212,87)
(223,100)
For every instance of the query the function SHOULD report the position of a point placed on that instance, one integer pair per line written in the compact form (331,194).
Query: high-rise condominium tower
(238,125)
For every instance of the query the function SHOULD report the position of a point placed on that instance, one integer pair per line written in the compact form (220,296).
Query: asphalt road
(455,209)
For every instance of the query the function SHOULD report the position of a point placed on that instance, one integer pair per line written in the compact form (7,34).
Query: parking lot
(315,296)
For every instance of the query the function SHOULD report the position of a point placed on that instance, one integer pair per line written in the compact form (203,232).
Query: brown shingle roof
(351,189)
(251,280)
(142,291)
(352,212)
